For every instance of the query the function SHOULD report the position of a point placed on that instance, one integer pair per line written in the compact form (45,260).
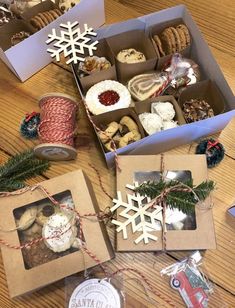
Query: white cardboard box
(201,54)
(28,57)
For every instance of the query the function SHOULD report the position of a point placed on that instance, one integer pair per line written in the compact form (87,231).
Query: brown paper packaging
(103,50)
(206,90)
(115,115)
(133,39)
(21,280)
(203,237)
(145,106)
(11,28)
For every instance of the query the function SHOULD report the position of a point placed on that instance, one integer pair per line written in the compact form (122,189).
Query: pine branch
(15,163)
(203,190)
(178,196)
(8,185)
(37,168)
(20,168)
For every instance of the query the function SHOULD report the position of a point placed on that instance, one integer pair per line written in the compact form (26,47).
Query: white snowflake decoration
(72,42)
(138,212)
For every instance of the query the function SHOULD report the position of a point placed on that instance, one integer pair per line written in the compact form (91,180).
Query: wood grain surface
(217,23)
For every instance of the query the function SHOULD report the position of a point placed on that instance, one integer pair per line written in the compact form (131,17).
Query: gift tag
(95,293)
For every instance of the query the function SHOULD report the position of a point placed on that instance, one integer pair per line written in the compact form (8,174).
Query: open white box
(28,57)
(201,54)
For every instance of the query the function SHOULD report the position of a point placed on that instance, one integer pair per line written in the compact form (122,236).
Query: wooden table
(216,21)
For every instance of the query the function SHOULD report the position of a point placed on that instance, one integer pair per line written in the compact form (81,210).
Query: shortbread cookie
(129,138)
(111,130)
(131,56)
(27,218)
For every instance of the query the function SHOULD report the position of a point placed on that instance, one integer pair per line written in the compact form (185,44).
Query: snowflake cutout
(139,212)
(72,42)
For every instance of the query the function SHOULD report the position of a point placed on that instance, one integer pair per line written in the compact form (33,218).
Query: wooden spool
(55,151)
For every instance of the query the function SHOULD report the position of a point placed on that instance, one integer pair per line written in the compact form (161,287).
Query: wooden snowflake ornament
(72,42)
(140,213)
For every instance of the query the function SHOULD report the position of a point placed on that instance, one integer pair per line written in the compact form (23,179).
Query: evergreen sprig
(20,168)
(178,196)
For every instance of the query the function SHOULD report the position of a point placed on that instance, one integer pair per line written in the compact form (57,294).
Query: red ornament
(109,98)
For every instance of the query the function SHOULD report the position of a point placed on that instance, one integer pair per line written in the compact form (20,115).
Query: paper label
(95,293)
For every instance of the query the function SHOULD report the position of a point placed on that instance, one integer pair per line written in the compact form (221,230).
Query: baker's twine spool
(57,128)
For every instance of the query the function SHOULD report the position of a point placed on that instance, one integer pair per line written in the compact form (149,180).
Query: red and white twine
(58,120)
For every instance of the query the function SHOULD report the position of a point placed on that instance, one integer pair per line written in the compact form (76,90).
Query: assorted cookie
(66,5)
(45,220)
(106,96)
(122,133)
(43,19)
(5,15)
(93,65)
(161,118)
(197,109)
(172,40)
(19,37)
(130,56)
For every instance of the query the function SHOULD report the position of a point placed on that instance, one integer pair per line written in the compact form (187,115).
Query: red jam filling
(109,98)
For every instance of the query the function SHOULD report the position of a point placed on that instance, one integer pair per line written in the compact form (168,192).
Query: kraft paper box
(32,268)
(201,54)
(198,230)
(28,57)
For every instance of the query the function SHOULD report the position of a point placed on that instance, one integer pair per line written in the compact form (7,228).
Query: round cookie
(168,41)
(130,56)
(37,254)
(58,12)
(186,33)
(45,211)
(182,36)
(177,39)
(59,232)
(106,96)
(48,17)
(43,18)
(54,14)
(159,45)
(27,218)
(30,233)
(37,22)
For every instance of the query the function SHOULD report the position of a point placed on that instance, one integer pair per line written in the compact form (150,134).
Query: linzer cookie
(171,40)
(106,96)
(42,19)
(196,110)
